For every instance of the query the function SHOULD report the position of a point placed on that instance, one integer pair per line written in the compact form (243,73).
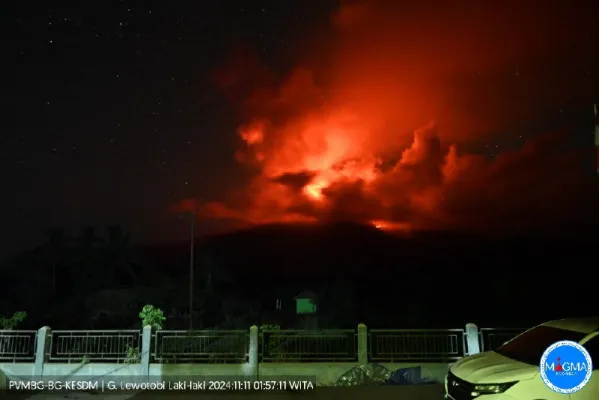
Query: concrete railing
(200,346)
(417,344)
(92,346)
(324,356)
(492,338)
(17,346)
(309,346)
(253,346)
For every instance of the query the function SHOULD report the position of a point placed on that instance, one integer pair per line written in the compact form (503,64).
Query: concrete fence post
(472,339)
(362,344)
(253,352)
(146,349)
(42,348)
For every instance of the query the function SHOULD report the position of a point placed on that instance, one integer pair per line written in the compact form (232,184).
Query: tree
(210,272)
(106,265)
(119,256)
(12,322)
(56,251)
(210,278)
(87,264)
(9,324)
(152,316)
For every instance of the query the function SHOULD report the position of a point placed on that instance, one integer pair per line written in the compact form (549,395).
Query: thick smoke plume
(421,118)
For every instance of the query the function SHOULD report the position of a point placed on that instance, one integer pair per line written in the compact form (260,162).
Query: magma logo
(566,367)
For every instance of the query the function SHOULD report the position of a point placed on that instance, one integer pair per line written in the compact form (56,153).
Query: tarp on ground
(376,374)
(364,375)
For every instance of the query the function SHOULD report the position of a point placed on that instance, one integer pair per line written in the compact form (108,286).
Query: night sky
(123,110)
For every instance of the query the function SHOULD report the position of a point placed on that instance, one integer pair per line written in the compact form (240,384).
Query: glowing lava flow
(390,226)
(314,189)
(315,169)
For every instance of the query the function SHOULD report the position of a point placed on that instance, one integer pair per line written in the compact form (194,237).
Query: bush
(132,355)
(12,322)
(275,346)
(151,316)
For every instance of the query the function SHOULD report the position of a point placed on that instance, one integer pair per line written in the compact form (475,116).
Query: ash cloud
(381,131)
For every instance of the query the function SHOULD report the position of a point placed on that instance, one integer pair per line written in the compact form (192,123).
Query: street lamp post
(192,217)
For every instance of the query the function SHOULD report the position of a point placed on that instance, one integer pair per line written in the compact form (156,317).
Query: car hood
(491,367)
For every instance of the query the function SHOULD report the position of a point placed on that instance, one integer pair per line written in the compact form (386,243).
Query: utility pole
(192,217)
(596,138)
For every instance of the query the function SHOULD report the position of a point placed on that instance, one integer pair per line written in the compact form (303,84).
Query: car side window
(592,347)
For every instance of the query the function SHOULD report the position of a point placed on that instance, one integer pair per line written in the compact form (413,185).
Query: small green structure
(306,303)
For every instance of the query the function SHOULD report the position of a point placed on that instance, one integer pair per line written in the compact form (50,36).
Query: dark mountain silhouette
(424,273)
(362,274)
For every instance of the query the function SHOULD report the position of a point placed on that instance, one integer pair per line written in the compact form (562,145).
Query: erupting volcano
(327,165)
(405,126)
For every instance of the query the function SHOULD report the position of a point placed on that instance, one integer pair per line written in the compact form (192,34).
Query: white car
(511,372)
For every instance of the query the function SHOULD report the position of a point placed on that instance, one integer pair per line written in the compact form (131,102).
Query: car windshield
(530,346)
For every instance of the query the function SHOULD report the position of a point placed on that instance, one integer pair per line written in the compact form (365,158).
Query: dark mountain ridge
(299,250)
(421,279)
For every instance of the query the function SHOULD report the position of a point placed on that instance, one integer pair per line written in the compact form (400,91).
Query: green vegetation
(273,341)
(12,322)
(152,316)
(132,356)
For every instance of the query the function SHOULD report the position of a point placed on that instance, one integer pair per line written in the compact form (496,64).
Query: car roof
(582,325)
